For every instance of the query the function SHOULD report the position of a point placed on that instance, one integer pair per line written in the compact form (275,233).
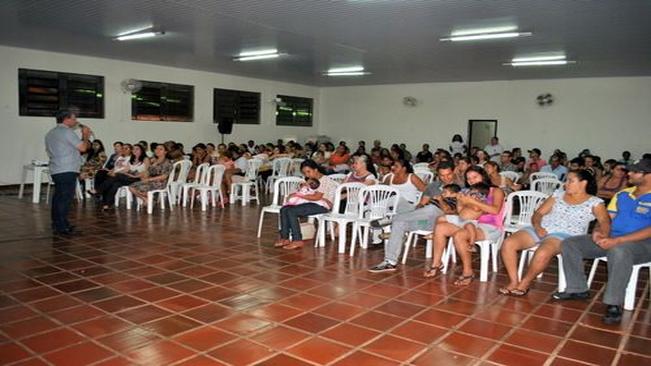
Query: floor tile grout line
(627,332)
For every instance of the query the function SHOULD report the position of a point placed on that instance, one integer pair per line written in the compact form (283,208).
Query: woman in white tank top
(409,184)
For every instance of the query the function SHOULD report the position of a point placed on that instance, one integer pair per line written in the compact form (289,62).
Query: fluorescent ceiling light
(258,57)
(349,73)
(476,37)
(466,32)
(137,30)
(139,36)
(540,63)
(539,58)
(346,69)
(258,53)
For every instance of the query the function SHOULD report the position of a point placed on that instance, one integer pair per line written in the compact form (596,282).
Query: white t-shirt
(494,151)
(457,147)
(569,219)
(241,163)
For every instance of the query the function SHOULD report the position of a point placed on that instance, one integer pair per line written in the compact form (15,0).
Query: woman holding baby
(312,199)
(479,208)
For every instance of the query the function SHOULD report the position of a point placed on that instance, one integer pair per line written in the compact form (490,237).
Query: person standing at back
(64,149)
(494,149)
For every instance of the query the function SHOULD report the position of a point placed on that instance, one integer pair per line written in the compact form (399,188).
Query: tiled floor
(192,288)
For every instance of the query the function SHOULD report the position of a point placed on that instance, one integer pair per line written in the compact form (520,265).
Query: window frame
(293,103)
(236,107)
(165,90)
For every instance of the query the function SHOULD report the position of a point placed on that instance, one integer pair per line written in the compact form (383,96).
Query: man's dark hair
(452,187)
(578,161)
(62,114)
(118,142)
(445,165)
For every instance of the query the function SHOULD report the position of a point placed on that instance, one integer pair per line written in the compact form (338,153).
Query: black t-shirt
(424,157)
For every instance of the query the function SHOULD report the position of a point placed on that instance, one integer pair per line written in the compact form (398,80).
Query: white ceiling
(396,40)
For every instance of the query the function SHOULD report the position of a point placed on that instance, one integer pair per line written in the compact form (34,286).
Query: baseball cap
(536,150)
(642,166)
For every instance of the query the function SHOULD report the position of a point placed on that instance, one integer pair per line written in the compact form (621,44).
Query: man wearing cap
(629,244)
(535,162)
(64,148)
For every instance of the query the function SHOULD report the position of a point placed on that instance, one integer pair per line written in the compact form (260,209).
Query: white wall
(21,139)
(607,115)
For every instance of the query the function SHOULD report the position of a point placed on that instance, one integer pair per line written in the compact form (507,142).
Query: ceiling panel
(396,40)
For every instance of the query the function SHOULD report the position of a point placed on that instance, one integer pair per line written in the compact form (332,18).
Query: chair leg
(410,236)
(342,238)
(562,282)
(354,239)
(593,270)
(204,199)
(494,257)
(150,202)
(484,252)
(629,299)
(260,223)
(523,258)
(428,249)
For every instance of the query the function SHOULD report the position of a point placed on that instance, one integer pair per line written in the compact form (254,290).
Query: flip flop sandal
(519,293)
(293,245)
(464,280)
(504,291)
(281,243)
(432,272)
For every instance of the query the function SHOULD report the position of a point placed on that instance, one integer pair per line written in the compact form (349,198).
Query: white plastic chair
(283,187)
(339,178)
(180,172)
(412,236)
(279,168)
(295,168)
(539,175)
(528,202)
(242,190)
(513,176)
(375,202)
(126,193)
(629,298)
(425,175)
(546,185)
(174,179)
(211,183)
(184,190)
(351,192)
(424,166)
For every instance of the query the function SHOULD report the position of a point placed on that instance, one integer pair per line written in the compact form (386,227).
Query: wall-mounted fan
(410,101)
(278,102)
(544,100)
(131,85)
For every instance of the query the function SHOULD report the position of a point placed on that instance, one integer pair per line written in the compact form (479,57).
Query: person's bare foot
(281,243)
(294,244)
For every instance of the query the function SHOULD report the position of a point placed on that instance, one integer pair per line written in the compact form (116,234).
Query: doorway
(480,132)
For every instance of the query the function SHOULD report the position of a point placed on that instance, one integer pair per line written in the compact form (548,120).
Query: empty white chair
(211,183)
(375,202)
(629,298)
(351,192)
(339,178)
(546,185)
(295,168)
(283,187)
(242,190)
(279,168)
(126,193)
(412,236)
(180,172)
(425,175)
(513,176)
(527,202)
(540,175)
(184,190)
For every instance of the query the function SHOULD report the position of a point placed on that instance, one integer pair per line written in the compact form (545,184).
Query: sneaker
(571,295)
(380,222)
(613,315)
(383,267)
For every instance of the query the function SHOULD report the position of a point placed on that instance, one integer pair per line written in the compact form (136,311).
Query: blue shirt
(61,146)
(631,214)
(560,171)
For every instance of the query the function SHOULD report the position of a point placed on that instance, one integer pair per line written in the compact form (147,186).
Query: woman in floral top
(94,161)
(155,176)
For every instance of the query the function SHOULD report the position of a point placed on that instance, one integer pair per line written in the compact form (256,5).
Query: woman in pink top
(489,226)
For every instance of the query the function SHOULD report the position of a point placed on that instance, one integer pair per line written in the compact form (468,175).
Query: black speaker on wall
(225,126)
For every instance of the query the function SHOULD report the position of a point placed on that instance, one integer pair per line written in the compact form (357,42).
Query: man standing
(422,218)
(629,244)
(424,156)
(494,149)
(64,148)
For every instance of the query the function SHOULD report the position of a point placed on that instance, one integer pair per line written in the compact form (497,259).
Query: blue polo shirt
(631,214)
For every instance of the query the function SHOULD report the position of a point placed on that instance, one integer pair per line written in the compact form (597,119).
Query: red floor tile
(466,344)
(50,341)
(81,354)
(311,323)
(394,348)
(439,356)
(11,352)
(377,321)
(419,332)
(160,353)
(365,359)
(205,338)
(587,353)
(513,356)
(283,360)
(242,324)
(318,350)
(241,352)
(350,334)
(279,337)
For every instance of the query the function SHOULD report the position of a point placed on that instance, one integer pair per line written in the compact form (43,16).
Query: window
(294,111)
(163,102)
(43,93)
(243,107)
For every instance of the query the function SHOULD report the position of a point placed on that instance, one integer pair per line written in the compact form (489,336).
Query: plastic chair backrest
(339,178)
(214,176)
(252,167)
(180,171)
(351,192)
(283,187)
(377,201)
(295,168)
(546,185)
(513,176)
(528,203)
(280,167)
(200,173)
(424,166)
(425,175)
(539,175)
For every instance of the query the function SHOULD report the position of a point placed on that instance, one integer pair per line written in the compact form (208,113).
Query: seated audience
(460,171)
(408,184)
(457,146)
(424,156)
(535,161)
(95,159)
(506,162)
(155,177)
(566,213)
(124,176)
(614,182)
(494,149)
(338,161)
(505,184)
(555,167)
(627,244)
